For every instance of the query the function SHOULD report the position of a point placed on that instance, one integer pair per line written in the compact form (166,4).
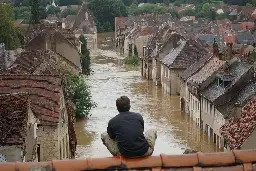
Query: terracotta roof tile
(44,93)
(233,161)
(235,131)
(13,118)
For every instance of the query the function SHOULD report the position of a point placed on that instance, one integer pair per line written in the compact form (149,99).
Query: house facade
(56,43)
(83,24)
(216,99)
(48,105)
(19,128)
(182,54)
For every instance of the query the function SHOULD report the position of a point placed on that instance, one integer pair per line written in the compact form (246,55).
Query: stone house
(83,24)
(48,105)
(129,42)
(182,54)
(18,131)
(197,82)
(51,39)
(47,63)
(150,52)
(184,77)
(39,62)
(214,98)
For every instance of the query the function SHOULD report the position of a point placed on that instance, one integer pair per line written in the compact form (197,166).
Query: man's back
(127,129)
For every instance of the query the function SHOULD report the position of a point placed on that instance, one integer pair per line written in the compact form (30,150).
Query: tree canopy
(105,12)
(8,33)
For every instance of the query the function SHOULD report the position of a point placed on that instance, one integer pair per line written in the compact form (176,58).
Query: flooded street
(111,79)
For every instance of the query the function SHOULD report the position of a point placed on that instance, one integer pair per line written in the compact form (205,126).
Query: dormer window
(225,80)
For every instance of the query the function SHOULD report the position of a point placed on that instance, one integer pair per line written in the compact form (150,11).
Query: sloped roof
(13,118)
(27,62)
(184,55)
(236,132)
(210,68)
(237,70)
(44,93)
(228,161)
(69,21)
(195,67)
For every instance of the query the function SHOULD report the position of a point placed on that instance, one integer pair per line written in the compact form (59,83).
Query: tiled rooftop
(195,67)
(208,70)
(44,93)
(237,70)
(236,132)
(184,55)
(13,118)
(229,161)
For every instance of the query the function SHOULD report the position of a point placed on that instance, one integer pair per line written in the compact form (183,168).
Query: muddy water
(111,79)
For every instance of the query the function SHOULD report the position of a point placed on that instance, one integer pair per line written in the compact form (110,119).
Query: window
(67,145)
(60,151)
(38,152)
(64,149)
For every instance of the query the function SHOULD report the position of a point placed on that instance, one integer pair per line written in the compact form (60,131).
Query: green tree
(78,91)
(53,10)
(35,16)
(85,59)
(8,34)
(67,12)
(105,11)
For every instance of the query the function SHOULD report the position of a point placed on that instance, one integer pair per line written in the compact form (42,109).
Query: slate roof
(13,118)
(213,65)
(236,132)
(229,161)
(27,62)
(245,38)
(44,90)
(192,69)
(237,70)
(184,55)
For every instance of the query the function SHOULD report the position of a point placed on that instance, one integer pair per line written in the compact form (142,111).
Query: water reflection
(111,79)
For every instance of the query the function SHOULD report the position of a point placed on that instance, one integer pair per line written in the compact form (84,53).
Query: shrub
(132,60)
(78,91)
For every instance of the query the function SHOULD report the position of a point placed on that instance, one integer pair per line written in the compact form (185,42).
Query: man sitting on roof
(124,134)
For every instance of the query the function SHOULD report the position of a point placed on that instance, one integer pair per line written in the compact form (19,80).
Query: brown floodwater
(111,79)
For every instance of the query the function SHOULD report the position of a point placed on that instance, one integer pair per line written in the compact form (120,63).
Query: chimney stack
(215,49)
(230,50)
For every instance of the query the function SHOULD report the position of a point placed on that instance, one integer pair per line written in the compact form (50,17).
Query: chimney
(215,48)
(230,50)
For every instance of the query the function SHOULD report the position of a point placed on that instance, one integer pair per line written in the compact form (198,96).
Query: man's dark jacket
(127,129)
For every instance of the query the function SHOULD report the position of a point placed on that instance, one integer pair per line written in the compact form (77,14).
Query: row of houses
(215,81)
(36,119)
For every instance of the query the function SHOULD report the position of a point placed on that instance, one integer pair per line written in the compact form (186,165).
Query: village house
(48,105)
(49,38)
(197,82)
(47,63)
(184,77)
(18,131)
(83,24)
(182,54)
(162,46)
(214,109)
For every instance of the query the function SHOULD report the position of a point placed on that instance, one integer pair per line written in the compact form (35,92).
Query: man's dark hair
(123,104)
